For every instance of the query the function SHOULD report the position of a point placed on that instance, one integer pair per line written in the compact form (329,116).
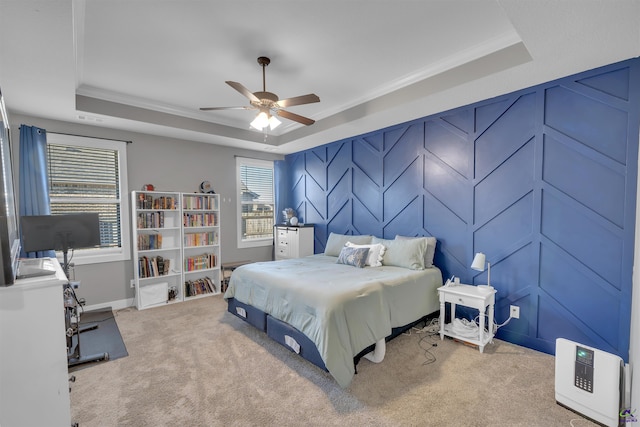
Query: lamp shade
(273,122)
(479,261)
(260,121)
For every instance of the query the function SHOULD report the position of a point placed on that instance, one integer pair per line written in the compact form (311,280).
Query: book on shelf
(206,238)
(203,285)
(202,219)
(200,262)
(153,266)
(148,201)
(149,241)
(193,202)
(150,219)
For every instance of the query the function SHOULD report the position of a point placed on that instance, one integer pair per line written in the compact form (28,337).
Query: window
(90,175)
(256,202)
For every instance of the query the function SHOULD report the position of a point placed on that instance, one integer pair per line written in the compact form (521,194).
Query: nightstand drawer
(465,300)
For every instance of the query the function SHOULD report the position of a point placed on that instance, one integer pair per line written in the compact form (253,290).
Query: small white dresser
(293,242)
(34,377)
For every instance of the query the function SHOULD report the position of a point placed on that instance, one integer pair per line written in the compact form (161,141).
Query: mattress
(342,309)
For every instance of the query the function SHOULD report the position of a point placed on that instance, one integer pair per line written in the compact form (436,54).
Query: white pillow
(376,253)
(336,242)
(403,253)
(429,253)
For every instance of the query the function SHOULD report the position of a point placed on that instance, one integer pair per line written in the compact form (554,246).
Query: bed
(331,307)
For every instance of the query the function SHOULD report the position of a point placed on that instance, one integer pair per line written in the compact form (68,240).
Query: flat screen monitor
(9,238)
(60,232)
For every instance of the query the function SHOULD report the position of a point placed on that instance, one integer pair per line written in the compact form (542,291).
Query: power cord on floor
(430,336)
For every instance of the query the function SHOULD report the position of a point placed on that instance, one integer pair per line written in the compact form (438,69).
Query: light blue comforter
(342,309)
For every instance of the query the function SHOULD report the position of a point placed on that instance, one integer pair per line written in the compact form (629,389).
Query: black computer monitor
(60,232)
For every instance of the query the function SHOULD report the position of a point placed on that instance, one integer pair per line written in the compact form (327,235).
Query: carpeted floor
(194,364)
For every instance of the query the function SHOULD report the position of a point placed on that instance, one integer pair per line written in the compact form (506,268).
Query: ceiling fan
(268,103)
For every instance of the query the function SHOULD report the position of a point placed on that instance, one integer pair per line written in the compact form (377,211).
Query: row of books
(201,239)
(147,201)
(153,266)
(207,219)
(150,220)
(199,202)
(149,241)
(198,287)
(199,262)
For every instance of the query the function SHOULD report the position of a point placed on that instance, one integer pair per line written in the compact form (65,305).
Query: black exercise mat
(105,338)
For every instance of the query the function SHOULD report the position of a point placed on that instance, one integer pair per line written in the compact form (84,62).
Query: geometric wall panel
(505,230)
(588,241)
(543,180)
(506,184)
(447,186)
(568,287)
(515,126)
(576,174)
(449,144)
(597,125)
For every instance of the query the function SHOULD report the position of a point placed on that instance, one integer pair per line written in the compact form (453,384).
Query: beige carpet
(194,364)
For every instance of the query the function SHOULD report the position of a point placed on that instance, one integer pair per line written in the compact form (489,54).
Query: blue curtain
(34,179)
(280,185)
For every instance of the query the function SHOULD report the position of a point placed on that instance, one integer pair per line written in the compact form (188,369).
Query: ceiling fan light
(261,121)
(273,122)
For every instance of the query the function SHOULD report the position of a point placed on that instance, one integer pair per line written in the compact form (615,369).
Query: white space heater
(590,382)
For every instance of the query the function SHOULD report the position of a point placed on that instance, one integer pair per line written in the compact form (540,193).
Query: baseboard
(115,305)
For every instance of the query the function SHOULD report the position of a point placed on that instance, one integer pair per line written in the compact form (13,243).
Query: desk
(227,268)
(468,296)
(34,379)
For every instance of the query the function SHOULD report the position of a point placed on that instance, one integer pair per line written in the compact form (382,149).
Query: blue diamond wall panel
(582,118)
(542,180)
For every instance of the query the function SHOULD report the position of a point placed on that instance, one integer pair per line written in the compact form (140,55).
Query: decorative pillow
(403,253)
(429,253)
(336,242)
(376,252)
(356,257)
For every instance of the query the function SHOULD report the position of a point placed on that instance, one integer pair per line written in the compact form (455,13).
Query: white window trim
(253,243)
(89,256)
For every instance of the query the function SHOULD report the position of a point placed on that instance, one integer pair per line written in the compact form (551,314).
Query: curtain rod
(85,136)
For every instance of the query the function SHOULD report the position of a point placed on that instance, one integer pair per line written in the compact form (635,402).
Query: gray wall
(170,165)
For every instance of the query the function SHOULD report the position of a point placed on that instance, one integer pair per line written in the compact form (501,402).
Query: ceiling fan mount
(268,102)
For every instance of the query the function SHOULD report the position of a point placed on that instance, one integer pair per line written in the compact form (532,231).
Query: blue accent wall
(543,181)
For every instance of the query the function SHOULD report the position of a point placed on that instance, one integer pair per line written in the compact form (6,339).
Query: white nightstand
(468,296)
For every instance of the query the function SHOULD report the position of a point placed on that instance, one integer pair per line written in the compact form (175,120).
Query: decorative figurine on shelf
(290,217)
(148,187)
(205,187)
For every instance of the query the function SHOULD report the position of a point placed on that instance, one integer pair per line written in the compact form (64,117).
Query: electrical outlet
(133,283)
(514,312)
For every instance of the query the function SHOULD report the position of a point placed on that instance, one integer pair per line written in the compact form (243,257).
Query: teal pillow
(403,253)
(336,242)
(356,257)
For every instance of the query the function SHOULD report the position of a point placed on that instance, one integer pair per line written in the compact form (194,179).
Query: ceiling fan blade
(295,117)
(226,108)
(243,90)
(298,100)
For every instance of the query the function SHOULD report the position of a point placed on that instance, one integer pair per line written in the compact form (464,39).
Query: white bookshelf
(200,245)
(183,230)
(157,248)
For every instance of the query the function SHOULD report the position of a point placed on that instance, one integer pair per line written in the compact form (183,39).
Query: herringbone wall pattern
(543,181)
